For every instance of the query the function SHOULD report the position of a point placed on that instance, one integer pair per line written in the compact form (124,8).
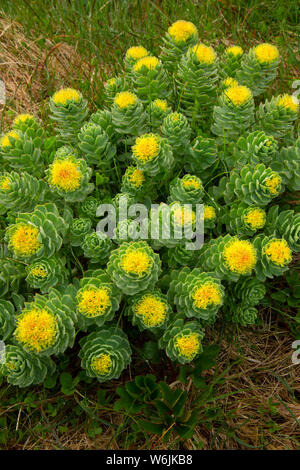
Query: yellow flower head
(137,178)
(256,218)
(188,346)
(236,51)
(152,310)
(5,141)
(289,102)
(38,271)
(183,216)
(230,82)
(66,95)
(174,117)
(5,183)
(136,53)
(36,329)
(136,261)
(181,30)
(102,364)
(278,252)
(146,147)
(124,99)
(24,240)
(93,302)
(273,183)
(266,53)
(65,174)
(110,82)
(23,118)
(160,104)
(149,62)
(240,256)
(209,212)
(204,54)
(206,295)
(238,95)
(191,183)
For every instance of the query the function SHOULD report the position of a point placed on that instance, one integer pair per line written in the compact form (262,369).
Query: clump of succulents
(160,216)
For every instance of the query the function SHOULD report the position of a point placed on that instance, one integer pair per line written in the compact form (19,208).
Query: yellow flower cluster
(149,62)
(209,212)
(205,54)
(136,52)
(278,252)
(38,271)
(102,364)
(236,51)
(289,102)
(94,302)
(146,147)
(65,174)
(36,329)
(256,218)
(65,96)
(266,53)
(137,178)
(273,184)
(124,99)
(160,104)
(238,95)
(24,240)
(7,139)
(152,310)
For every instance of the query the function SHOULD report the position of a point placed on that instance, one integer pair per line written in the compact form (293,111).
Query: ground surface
(252,399)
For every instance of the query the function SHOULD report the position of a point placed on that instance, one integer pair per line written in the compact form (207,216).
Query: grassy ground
(249,398)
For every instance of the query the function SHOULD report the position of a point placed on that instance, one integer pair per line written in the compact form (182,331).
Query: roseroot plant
(190,141)
(149,310)
(97,299)
(105,354)
(182,340)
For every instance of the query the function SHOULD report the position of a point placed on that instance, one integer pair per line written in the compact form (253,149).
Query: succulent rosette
(134,181)
(231,61)
(44,327)
(245,220)
(68,109)
(229,257)
(197,81)
(134,267)
(88,208)
(180,255)
(150,79)
(187,190)
(210,217)
(176,129)
(182,341)
(201,155)
(7,319)
(46,273)
(69,176)
(274,257)
(234,113)
(172,225)
(23,369)
(105,354)
(152,154)
(249,291)
(22,152)
(157,110)
(253,185)
(27,123)
(179,37)
(97,247)
(252,149)
(103,118)
(97,299)
(95,145)
(78,229)
(287,163)
(284,224)
(11,273)
(277,116)
(149,310)
(36,234)
(259,68)
(128,114)
(21,192)
(196,293)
